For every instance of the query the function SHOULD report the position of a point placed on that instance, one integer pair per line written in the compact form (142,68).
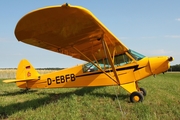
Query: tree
(175,67)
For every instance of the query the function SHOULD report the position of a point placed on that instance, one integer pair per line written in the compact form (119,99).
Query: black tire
(143,91)
(136,97)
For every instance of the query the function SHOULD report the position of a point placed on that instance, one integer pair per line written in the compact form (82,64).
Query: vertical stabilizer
(26,71)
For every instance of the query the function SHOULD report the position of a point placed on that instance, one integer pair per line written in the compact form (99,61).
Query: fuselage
(88,74)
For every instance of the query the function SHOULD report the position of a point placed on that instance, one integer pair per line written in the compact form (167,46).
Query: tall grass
(162,102)
(11,73)
(7,73)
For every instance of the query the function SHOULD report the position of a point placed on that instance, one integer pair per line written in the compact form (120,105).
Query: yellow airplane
(76,32)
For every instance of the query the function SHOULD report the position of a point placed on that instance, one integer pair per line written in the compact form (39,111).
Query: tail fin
(25,72)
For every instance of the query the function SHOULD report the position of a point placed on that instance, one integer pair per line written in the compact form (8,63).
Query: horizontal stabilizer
(20,80)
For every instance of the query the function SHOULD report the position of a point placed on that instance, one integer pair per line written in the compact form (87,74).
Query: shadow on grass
(85,91)
(8,110)
(7,93)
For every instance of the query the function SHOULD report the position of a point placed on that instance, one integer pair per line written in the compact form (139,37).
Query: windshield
(135,55)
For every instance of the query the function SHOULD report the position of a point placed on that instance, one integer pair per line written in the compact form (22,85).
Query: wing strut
(95,64)
(110,59)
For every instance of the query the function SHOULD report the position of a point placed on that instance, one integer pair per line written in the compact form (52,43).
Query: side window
(89,67)
(103,64)
(119,60)
(122,60)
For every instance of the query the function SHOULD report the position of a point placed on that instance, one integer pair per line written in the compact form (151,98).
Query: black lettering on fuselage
(49,81)
(73,77)
(62,79)
(67,77)
(57,80)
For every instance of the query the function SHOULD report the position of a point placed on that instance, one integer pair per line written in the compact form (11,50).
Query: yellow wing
(60,28)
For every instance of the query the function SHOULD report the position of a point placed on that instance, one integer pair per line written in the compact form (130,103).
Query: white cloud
(161,51)
(178,19)
(172,36)
(149,37)
(4,40)
(157,52)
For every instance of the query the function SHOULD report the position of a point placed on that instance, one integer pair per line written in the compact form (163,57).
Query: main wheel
(143,91)
(136,97)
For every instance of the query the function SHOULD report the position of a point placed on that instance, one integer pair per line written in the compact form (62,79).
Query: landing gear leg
(137,94)
(143,91)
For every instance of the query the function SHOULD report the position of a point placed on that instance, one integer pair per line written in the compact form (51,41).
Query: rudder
(25,71)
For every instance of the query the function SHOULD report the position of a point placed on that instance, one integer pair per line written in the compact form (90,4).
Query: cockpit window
(103,64)
(135,55)
(122,59)
(89,67)
(119,60)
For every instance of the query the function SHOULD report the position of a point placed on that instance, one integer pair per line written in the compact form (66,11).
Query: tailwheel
(136,97)
(25,90)
(143,91)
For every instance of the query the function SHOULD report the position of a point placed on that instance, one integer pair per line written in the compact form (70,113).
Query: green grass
(162,102)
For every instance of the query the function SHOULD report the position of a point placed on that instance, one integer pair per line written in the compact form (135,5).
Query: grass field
(161,103)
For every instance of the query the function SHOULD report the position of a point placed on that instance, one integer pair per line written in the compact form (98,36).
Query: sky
(151,28)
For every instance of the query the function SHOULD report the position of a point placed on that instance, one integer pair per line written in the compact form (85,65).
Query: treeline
(174,68)
(49,68)
(35,68)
